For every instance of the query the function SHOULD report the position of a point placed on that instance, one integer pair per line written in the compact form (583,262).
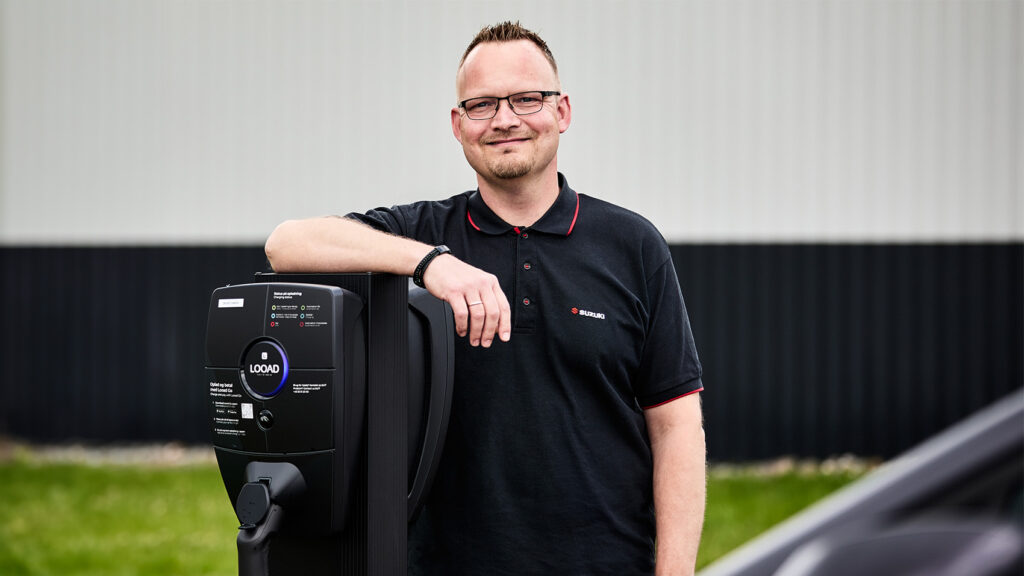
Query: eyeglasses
(523,103)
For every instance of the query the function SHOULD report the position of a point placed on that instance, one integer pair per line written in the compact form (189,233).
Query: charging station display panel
(286,380)
(273,365)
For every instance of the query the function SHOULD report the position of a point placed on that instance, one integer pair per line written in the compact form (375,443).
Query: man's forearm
(479,306)
(678,449)
(340,245)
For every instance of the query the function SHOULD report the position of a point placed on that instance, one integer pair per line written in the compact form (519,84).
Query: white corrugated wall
(207,122)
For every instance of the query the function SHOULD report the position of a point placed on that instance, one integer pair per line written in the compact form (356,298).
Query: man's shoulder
(623,237)
(603,213)
(451,203)
(414,218)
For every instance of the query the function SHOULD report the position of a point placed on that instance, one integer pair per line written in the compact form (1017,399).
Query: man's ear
(457,124)
(564,110)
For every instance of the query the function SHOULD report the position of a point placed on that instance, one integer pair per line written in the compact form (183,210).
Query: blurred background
(840,183)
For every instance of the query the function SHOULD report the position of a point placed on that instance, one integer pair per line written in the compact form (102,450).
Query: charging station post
(280,505)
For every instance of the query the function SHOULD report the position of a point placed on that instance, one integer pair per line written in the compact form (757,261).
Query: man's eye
(481,105)
(526,100)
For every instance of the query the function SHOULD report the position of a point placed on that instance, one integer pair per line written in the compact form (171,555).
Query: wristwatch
(417,275)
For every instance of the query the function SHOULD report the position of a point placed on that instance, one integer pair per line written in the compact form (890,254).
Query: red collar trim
(560,219)
(575,214)
(471,223)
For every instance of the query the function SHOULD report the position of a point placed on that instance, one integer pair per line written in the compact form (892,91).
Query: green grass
(742,506)
(81,520)
(65,519)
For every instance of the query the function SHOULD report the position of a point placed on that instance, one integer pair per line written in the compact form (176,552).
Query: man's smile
(500,139)
(506,141)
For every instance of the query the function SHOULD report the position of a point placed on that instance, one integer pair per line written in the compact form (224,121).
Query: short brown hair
(509,32)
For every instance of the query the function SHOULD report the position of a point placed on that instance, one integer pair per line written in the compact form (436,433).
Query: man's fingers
(490,319)
(461,313)
(477,313)
(504,314)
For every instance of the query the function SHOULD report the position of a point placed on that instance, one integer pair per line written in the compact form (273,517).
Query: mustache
(498,136)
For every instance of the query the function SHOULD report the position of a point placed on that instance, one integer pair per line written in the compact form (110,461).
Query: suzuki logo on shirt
(588,313)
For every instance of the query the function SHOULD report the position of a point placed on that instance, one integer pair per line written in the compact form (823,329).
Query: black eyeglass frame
(507,99)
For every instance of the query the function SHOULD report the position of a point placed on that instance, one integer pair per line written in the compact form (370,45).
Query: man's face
(509,146)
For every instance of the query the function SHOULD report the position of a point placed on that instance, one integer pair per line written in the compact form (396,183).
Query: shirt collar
(560,219)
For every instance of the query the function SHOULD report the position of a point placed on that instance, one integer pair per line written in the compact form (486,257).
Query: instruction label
(223,390)
(304,388)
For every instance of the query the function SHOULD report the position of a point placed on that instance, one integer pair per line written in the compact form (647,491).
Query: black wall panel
(815,350)
(808,350)
(107,344)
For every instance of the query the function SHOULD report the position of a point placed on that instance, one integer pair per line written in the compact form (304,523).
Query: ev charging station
(329,399)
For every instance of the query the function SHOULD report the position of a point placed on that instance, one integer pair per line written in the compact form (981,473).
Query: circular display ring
(264,369)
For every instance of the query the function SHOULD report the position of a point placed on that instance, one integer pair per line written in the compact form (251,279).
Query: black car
(953,505)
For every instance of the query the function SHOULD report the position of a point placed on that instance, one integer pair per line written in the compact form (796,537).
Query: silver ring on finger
(477,303)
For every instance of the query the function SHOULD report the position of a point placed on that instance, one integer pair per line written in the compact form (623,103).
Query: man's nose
(504,116)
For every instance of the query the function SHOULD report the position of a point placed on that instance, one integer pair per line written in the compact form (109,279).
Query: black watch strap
(417,275)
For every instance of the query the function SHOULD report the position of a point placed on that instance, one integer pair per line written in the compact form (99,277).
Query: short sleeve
(422,221)
(669,366)
(383,219)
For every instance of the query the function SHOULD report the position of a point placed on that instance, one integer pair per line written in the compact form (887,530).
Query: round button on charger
(265,419)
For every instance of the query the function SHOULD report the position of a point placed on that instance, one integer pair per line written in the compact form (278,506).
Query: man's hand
(480,308)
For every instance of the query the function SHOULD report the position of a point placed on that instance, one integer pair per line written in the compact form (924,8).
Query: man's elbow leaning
(273,248)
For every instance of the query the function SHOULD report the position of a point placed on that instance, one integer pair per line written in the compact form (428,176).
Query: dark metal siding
(814,350)
(809,350)
(108,343)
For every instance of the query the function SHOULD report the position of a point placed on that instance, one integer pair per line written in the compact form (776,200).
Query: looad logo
(588,313)
(264,368)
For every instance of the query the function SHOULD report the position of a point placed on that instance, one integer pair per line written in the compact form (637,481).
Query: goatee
(510,169)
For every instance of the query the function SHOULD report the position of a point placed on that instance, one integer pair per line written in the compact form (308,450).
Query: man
(576,431)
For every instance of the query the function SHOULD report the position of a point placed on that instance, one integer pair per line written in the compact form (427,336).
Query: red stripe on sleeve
(701,389)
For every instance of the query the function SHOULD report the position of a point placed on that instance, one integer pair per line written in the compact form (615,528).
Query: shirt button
(527,266)
(526,301)
(525,235)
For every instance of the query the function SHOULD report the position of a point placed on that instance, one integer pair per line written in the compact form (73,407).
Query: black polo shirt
(547,465)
